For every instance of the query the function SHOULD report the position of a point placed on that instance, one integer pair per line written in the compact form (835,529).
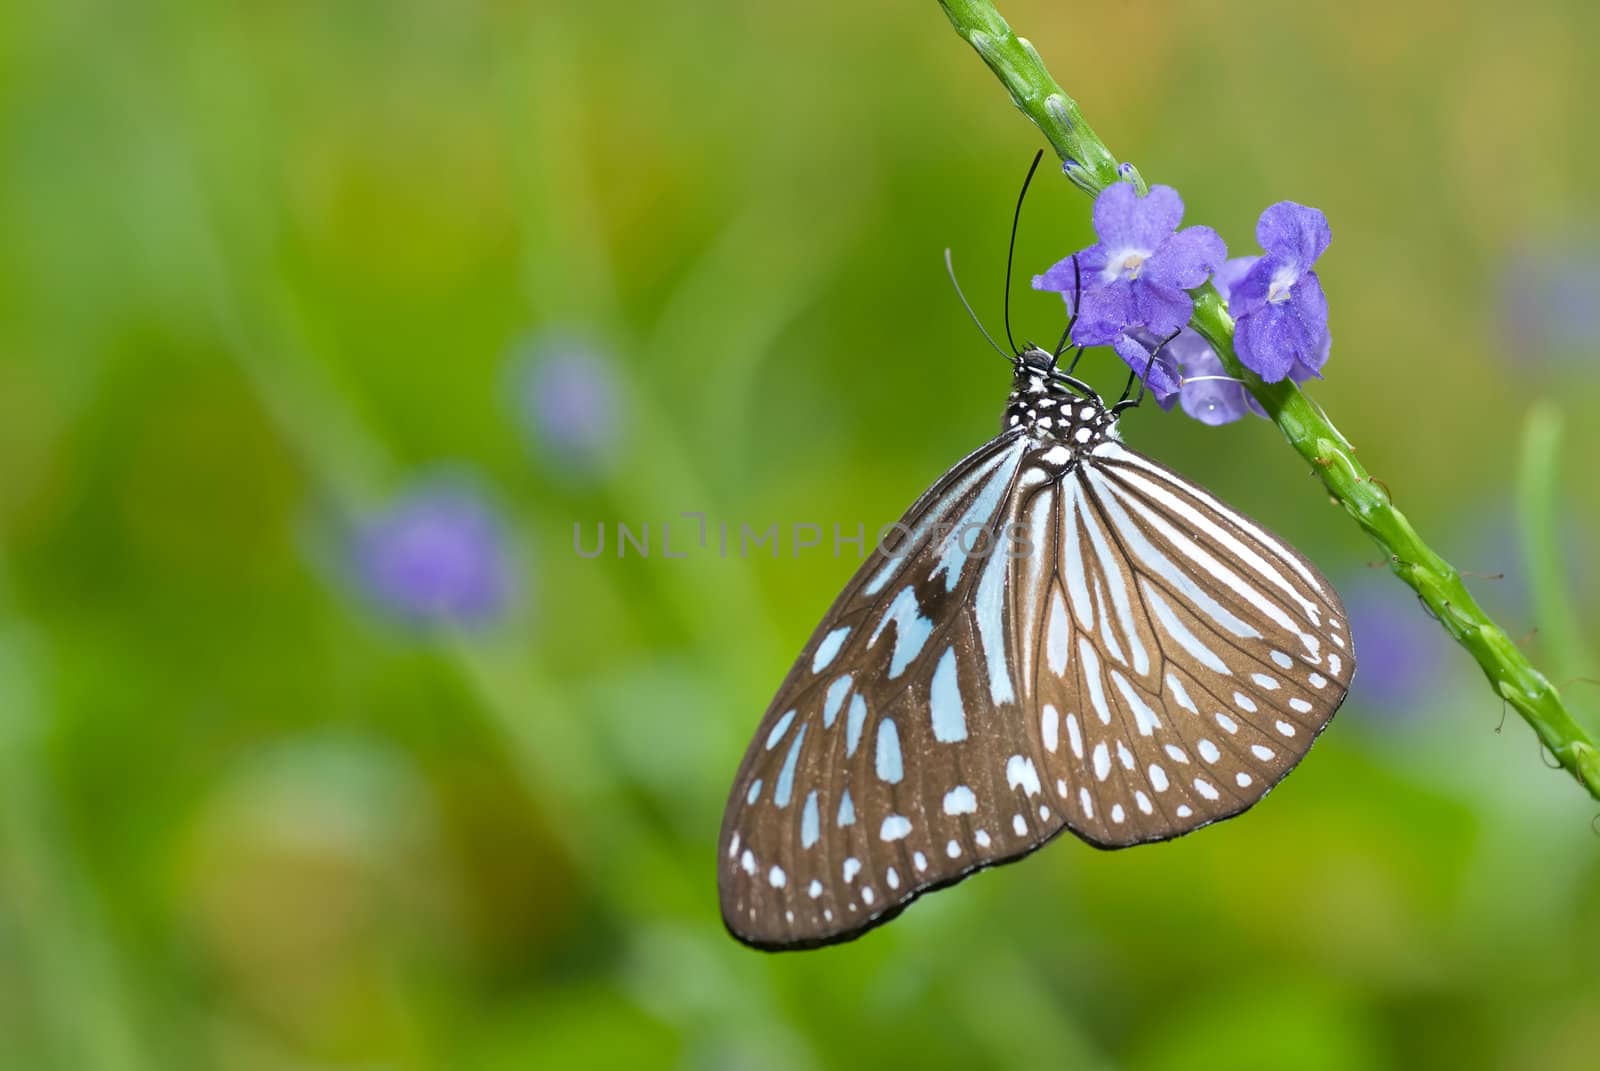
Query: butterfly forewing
(872,777)
(1064,634)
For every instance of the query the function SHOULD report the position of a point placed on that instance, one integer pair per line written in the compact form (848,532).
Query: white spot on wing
(895,827)
(1181,695)
(836,693)
(847,810)
(779,728)
(828,649)
(810,821)
(1143,715)
(1021,774)
(1091,677)
(1057,635)
(887,758)
(960,800)
(944,702)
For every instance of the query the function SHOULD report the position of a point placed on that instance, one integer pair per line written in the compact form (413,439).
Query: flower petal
(1310,305)
(1103,314)
(1294,232)
(1213,401)
(1271,340)
(1229,274)
(1161,309)
(1186,258)
(1124,219)
(1249,294)
(1064,275)
(1162,380)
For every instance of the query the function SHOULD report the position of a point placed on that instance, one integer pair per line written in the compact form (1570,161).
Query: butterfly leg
(1125,402)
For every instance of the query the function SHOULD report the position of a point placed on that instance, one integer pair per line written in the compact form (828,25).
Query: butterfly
(1060,634)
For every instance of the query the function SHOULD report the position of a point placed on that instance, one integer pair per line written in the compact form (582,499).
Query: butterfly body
(1061,634)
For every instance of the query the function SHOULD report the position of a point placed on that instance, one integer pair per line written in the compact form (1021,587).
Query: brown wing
(862,787)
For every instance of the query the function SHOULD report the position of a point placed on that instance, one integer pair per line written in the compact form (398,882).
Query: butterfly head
(1051,405)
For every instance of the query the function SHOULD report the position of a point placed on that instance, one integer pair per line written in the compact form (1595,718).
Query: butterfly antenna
(1011,249)
(949,266)
(1077,286)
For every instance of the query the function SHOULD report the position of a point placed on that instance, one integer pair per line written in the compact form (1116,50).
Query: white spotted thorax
(1067,636)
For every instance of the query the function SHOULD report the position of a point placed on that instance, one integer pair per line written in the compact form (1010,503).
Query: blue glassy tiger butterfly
(1062,634)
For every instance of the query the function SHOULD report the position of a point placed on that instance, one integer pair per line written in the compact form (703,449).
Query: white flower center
(1126,264)
(1282,282)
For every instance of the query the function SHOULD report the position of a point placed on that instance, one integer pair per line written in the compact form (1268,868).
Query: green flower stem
(1092,167)
(1087,161)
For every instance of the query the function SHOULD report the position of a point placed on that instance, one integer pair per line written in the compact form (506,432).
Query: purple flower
(1205,390)
(1135,279)
(1550,302)
(437,555)
(565,394)
(1280,312)
(1401,649)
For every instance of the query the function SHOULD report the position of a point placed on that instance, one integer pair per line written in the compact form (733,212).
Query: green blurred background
(267,268)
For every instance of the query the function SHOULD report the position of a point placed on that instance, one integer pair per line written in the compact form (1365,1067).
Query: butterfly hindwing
(1189,657)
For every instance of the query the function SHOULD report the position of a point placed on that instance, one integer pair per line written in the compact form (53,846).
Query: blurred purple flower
(1134,281)
(437,555)
(566,397)
(1398,647)
(1278,306)
(1550,302)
